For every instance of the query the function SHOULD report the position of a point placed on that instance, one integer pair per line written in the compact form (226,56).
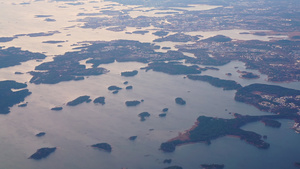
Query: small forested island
(14,56)
(40,134)
(79,100)
(225,84)
(212,166)
(180,101)
(248,75)
(8,97)
(162,115)
(160,33)
(54,41)
(129,87)
(178,37)
(132,138)
(270,98)
(132,103)
(42,153)
(100,100)
(113,88)
(143,115)
(173,68)
(103,146)
(18,73)
(209,128)
(57,108)
(140,32)
(129,73)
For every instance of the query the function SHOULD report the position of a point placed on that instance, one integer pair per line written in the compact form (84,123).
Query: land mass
(270,98)
(67,67)
(14,56)
(79,100)
(103,146)
(214,81)
(209,128)
(42,153)
(100,100)
(129,73)
(8,97)
(173,68)
(132,103)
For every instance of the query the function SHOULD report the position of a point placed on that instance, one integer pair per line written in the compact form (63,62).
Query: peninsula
(8,97)
(214,81)
(210,128)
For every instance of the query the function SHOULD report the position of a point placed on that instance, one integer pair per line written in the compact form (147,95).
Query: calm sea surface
(74,129)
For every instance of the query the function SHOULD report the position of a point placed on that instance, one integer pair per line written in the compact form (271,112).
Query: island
(212,166)
(42,153)
(53,41)
(79,100)
(162,115)
(129,73)
(140,32)
(40,134)
(214,81)
(57,108)
(111,88)
(132,103)
(209,128)
(160,33)
(180,101)
(248,75)
(9,98)
(18,73)
(143,115)
(100,100)
(132,138)
(129,87)
(165,109)
(178,37)
(115,92)
(173,68)
(103,146)
(297,164)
